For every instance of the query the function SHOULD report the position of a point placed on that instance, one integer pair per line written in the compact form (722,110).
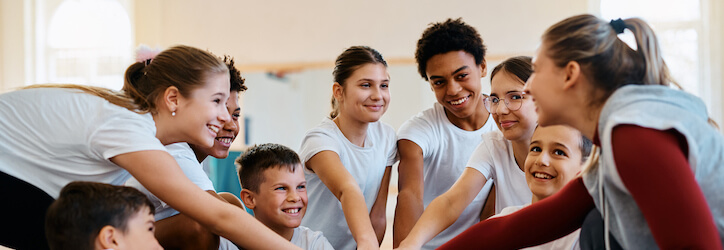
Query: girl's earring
(173,113)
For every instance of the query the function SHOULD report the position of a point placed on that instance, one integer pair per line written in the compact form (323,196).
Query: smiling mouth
(540,175)
(225,140)
(291,210)
(213,128)
(459,101)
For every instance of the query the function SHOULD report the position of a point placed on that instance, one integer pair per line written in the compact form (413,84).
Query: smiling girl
(499,156)
(52,135)
(348,157)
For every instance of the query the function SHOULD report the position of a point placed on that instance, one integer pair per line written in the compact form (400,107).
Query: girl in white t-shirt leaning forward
(500,156)
(348,158)
(94,134)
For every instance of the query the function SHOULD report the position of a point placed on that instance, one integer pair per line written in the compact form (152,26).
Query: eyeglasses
(513,100)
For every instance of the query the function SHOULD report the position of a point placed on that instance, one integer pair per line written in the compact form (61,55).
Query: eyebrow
(562,145)
(454,72)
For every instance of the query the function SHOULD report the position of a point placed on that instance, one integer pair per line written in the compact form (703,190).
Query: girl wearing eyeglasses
(500,155)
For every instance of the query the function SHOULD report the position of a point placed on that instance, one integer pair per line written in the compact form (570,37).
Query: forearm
(378,213)
(439,215)
(355,213)
(408,211)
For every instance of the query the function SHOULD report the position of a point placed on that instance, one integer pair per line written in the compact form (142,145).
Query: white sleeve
(481,159)
(420,131)
(392,156)
(124,133)
(317,141)
(317,241)
(186,159)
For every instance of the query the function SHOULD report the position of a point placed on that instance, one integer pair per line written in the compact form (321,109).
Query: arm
(159,173)
(639,152)
(378,213)
(182,232)
(553,217)
(445,209)
(489,207)
(409,200)
(339,181)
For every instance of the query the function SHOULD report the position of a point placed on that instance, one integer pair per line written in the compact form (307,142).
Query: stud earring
(173,113)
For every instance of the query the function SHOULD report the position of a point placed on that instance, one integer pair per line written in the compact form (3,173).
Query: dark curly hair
(237,82)
(451,35)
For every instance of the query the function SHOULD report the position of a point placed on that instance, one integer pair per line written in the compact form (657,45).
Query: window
(86,42)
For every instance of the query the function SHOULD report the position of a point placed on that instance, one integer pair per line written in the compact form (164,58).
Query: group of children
(520,152)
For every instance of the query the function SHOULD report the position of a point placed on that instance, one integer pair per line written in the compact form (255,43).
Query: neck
(354,131)
(200,156)
(284,232)
(520,151)
(164,129)
(588,121)
(536,198)
(473,122)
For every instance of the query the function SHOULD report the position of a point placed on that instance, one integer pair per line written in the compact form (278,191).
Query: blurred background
(286,49)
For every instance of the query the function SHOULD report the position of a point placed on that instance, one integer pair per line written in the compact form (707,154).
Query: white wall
(12,46)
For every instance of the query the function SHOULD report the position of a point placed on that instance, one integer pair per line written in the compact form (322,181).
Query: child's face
(366,94)
(517,124)
(553,160)
(140,232)
(282,198)
(455,79)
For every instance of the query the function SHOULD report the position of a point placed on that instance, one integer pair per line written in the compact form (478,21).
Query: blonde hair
(608,62)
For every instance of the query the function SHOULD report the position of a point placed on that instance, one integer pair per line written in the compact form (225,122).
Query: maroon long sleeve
(654,168)
(546,220)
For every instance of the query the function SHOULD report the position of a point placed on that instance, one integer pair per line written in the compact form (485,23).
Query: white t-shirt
(52,136)
(191,167)
(495,160)
(569,241)
(445,151)
(308,239)
(366,164)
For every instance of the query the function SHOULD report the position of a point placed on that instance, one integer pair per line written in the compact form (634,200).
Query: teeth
(225,140)
(542,176)
(459,101)
(292,210)
(214,128)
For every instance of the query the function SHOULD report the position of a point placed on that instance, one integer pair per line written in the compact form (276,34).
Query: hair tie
(146,54)
(618,25)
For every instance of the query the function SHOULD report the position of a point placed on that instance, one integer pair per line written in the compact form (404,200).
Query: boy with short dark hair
(272,178)
(90,215)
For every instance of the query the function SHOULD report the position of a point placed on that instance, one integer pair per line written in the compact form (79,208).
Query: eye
(438,83)
(462,76)
(281,188)
(535,149)
(235,116)
(516,96)
(365,85)
(218,101)
(384,85)
(494,99)
(559,152)
(302,187)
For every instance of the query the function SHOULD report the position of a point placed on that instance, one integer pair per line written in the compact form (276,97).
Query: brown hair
(606,60)
(350,60)
(252,164)
(519,66)
(181,66)
(82,209)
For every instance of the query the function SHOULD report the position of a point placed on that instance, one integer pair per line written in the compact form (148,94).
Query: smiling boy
(272,178)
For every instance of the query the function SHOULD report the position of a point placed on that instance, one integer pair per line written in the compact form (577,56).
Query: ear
(247,196)
(337,91)
(484,67)
(107,238)
(572,72)
(171,98)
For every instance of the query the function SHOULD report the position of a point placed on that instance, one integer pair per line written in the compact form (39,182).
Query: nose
(293,196)
(501,105)
(543,160)
(224,116)
(231,125)
(376,93)
(453,87)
